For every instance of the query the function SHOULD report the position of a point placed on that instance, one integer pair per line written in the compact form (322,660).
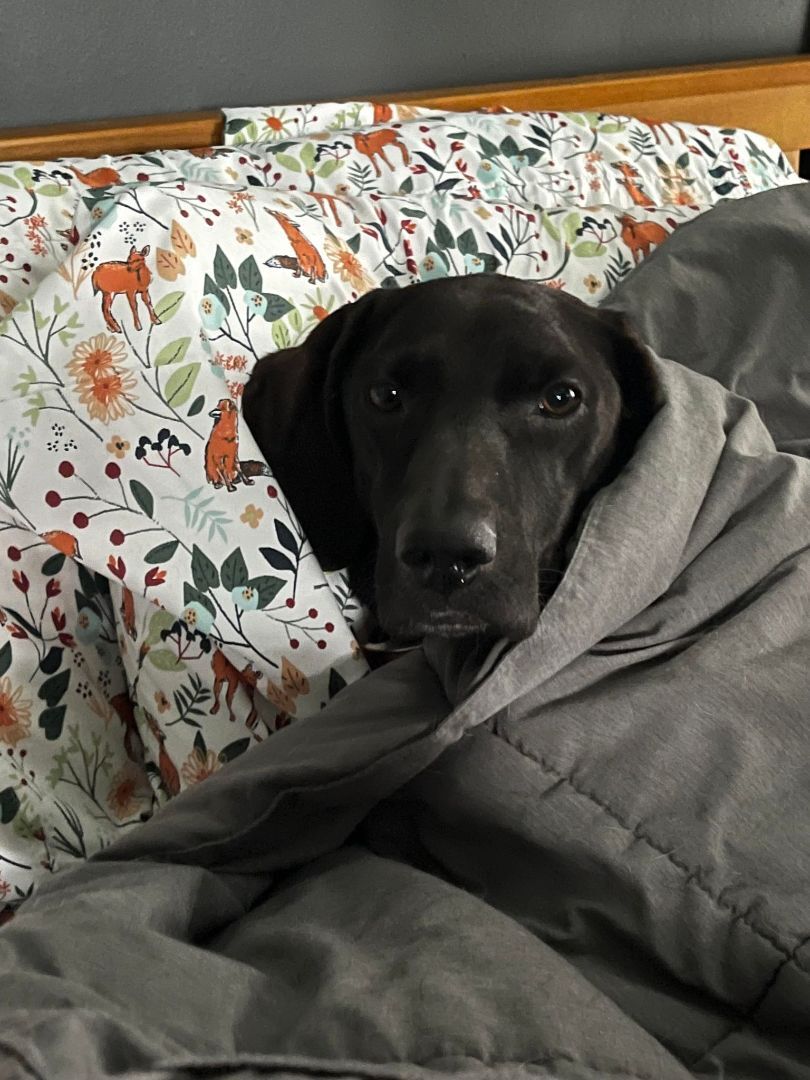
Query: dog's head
(442,441)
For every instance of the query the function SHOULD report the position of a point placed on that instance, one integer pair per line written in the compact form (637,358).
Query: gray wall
(86,59)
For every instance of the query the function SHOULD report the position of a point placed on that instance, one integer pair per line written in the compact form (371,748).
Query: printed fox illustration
(640,236)
(132,278)
(169,776)
(629,180)
(97,178)
(225,674)
(222,464)
(133,744)
(308,260)
(128,612)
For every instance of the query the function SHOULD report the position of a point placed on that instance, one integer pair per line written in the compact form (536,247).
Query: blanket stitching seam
(693,876)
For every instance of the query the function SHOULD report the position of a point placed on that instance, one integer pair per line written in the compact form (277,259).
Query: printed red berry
(184,213)
(329,627)
(81,520)
(117,537)
(321,644)
(66,469)
(271,491)
(14,554)
(112,470)
(142,176)
(53,498)
(290,602)
(27,267)
(313,613)
(294,643)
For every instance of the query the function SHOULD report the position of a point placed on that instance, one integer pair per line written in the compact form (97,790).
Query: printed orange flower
(96,357)
(252,515)
(15,713)
(244,236)
(129,787)
(346,265)
(118,447)
(107,397)
(198,766)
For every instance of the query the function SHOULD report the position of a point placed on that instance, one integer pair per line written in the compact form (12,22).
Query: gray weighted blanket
(585,856)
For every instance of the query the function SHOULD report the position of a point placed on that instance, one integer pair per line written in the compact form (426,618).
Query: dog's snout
(448,558)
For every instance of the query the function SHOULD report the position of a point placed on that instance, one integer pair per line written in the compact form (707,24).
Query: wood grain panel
(771,96)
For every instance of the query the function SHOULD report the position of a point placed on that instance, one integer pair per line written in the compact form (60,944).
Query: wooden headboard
(770,96)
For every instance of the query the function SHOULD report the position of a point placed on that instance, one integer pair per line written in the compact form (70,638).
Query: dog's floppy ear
(293,408)
(633,367)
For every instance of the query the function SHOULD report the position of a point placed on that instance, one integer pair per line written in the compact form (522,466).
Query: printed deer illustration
(373,146)
(640,236)
(131,278)
(225,674)
(629,177)
(309,262)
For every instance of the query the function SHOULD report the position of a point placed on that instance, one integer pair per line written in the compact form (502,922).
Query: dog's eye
(560,400)
(385,396)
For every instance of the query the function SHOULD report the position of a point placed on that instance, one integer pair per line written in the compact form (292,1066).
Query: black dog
(443,440)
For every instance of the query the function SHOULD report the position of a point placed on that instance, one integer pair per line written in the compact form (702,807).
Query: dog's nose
(445,560)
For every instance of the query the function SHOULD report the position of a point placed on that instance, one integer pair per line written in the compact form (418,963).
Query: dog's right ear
(292,406)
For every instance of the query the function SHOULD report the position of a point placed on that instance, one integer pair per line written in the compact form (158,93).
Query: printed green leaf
(444,238)
(277,307)
(467,244)
(168,306)
(51,661)
(191,595)
(287,161)
(570,224)
(588,249)
(161,553)
(203,571)
(211,287)
(234,571)
(165,660)
(488,149)
(280,335)
(234,126)
(160,620)
(308,155)
(53,690)
(336,682)
(173,353)
(50,191)
(611,128)
(286,537)
(329,167)
(142,496)
(51,721)
(406,187)
(250,276)
(509,147)
(9,181)
(178,389)
(232,750)
(267,587)
(196,405)
(224,273)
(53,564)
(5,658)
(24,175)
(9,805)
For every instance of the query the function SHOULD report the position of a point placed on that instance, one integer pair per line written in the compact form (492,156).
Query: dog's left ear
(292,405)
(632,365)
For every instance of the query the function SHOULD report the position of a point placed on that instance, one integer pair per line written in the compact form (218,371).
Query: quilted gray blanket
(585,856)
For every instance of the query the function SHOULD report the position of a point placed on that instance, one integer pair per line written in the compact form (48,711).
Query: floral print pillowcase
(160,610)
